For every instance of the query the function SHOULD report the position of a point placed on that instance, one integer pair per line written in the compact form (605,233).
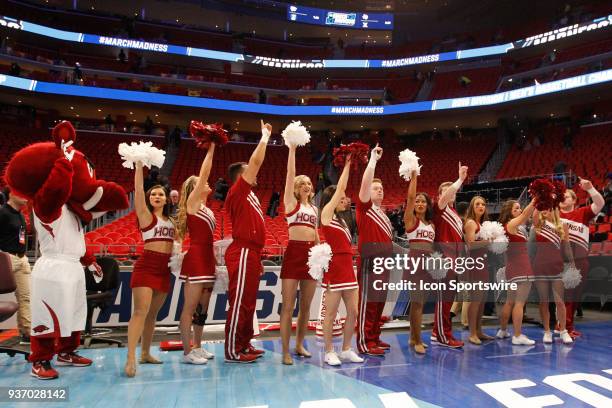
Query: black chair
(8,308)
(100,295)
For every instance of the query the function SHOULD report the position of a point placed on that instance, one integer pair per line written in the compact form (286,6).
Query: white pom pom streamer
(176,263)
(432,266)
(221,280)
(501,275)
(409,163)
(499,245)
(144,152)
(570,276)
(491,230)
(319,257)
(295,134)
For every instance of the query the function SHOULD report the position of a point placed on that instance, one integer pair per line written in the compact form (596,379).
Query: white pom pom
(570,276)
(176,262)
(491,230)
(295,134)
(221,280)
(432,266)
(409,163)
(144,152)
(318,260)
(499,245)
(501,275)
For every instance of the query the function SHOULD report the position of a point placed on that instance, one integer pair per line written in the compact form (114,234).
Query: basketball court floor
(494,374)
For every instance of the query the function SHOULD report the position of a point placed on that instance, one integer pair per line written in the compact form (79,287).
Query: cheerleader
(552,239)
(420,232)
(518,270)
(302,219)
(340,281)
(198,268)
(577,220)
(150,280)
(475,216)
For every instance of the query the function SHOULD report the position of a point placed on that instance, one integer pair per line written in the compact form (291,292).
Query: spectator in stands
(148,125)
(274,202)
(13,242)
(387,96)
(221,188)
(321,85)
(164,181)
(176,136)
(568,138)
(174,202)
(152,179)
(77,74)
(15,69)
(110,123)
(262,97)
(122,56)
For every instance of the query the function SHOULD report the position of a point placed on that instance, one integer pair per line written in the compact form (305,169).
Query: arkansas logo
(40,328)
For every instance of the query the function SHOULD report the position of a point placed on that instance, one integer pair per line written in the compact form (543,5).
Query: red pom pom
(206,134)
(559,193)
(357,150)
(543,191)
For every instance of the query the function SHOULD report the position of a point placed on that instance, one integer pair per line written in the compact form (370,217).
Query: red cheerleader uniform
(199,261)
(151,269)
(518,266)
(295,261)
(421,240)
(548,262)
(340,275)
(477,273)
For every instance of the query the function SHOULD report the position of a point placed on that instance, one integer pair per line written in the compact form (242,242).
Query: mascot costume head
(50,174)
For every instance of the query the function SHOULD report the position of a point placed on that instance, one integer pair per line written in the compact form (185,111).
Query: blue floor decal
(494,374)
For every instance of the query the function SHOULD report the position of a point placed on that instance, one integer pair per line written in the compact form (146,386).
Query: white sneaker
(548,338)
(194,358)
(202,352)
(350,356)
(332,359)
(502,334)
(522,340)
(565,337)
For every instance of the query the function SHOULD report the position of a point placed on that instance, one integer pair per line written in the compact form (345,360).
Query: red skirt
(548,263)
(341,275)
(295,261)
(199,264)
(152,271)
(518,268)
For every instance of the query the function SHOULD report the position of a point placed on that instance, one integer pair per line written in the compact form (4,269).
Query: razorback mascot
(61,184)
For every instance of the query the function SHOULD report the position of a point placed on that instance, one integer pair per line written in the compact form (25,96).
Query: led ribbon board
(206,103)
(576,29)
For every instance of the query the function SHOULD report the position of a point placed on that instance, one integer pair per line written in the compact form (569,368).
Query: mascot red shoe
(61,184)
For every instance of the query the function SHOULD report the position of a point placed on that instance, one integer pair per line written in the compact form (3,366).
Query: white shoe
(202,352)
(502,334)
(332,359)
(548,338)
(522,340)
(194,358)
(350,356)
(565,337)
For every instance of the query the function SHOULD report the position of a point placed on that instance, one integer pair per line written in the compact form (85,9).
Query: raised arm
(409,218)
(598,200)
(514,223)
(365,191)
(450,192)
(289,197)
(195,198)
(142,212)
(258,156)
(328,211)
